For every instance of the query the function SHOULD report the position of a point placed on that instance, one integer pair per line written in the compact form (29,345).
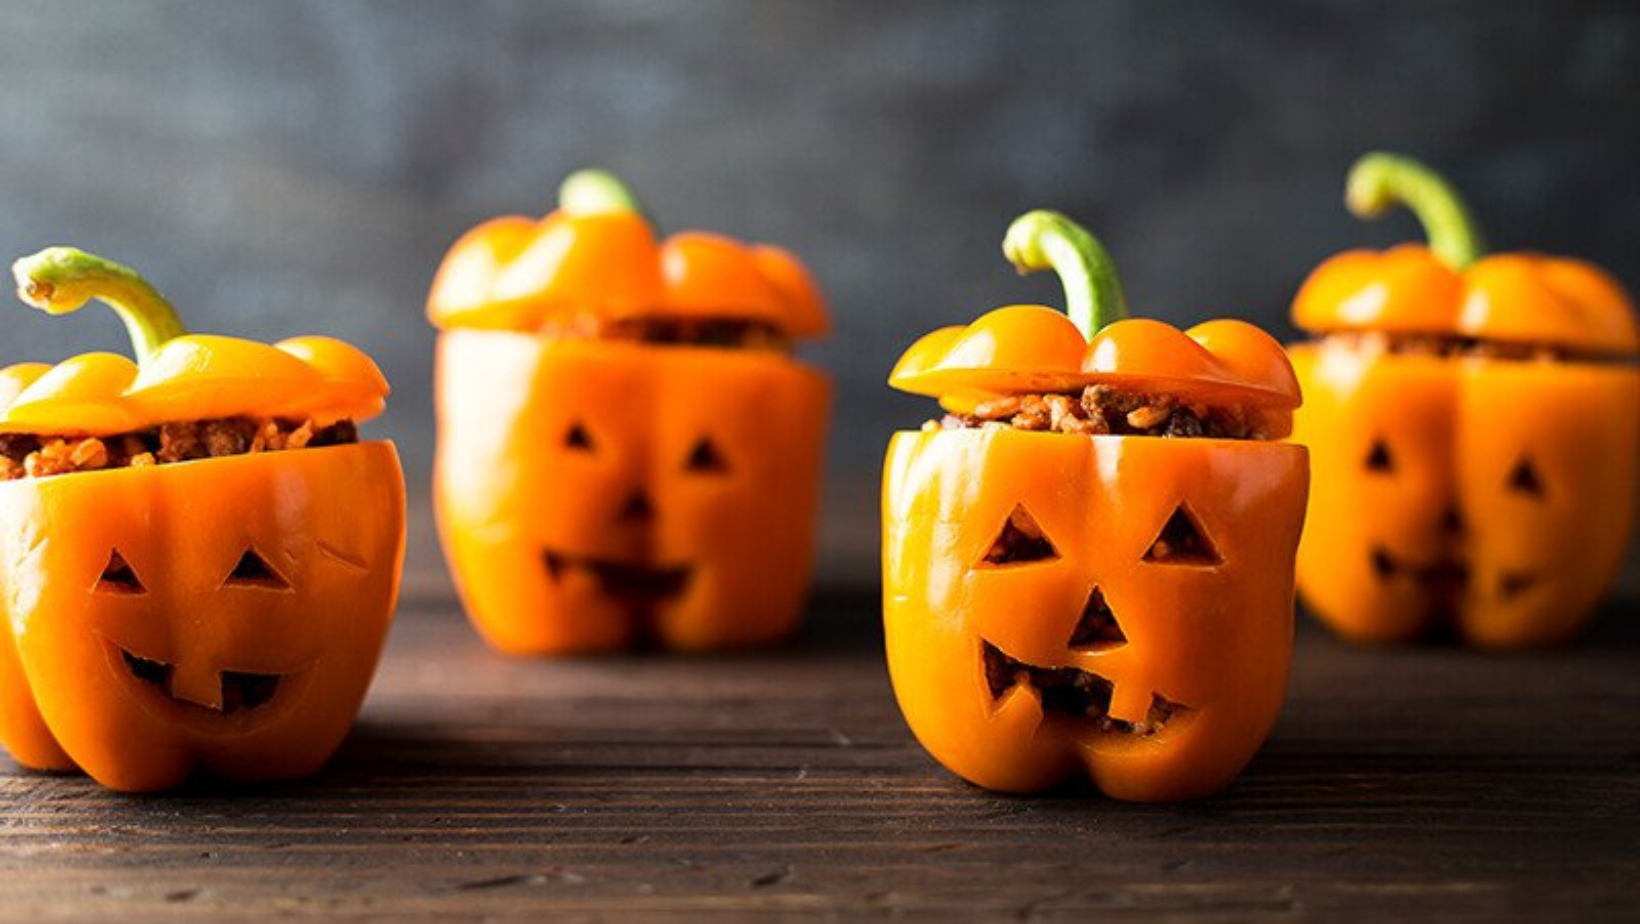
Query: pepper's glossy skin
(1454,432)
(512,487)
(22,732)
(564,463)
(517,273)
(136,644)
(1511,298)
(330,523)
(1214,638)
(1211,635)
(192,377)
(1023,349)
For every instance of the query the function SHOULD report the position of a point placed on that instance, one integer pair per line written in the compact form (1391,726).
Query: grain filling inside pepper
(28,455)
(1104,409)
(727,332)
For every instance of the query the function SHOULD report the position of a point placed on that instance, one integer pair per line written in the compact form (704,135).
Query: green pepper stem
(1048,240)
(596,192)
(1378,182)
(59,280)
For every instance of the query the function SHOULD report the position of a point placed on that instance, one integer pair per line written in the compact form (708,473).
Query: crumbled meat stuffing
(1102,409)
(730,333)
(1447,345)
(27,455)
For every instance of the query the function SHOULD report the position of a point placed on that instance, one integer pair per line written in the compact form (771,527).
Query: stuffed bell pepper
(1474,422)
(1088,561)
(199,558)
(628,453)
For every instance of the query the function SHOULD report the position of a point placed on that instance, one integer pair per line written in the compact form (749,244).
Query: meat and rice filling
(1449,346)
(28,455)
(1103,409)
(727,333)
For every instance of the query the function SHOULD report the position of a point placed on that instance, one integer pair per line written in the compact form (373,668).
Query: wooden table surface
(1398,783)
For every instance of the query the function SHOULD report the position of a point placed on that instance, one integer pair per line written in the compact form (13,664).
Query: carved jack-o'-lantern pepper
(1474,424)
(1088,564)
(199,559)
(627,454)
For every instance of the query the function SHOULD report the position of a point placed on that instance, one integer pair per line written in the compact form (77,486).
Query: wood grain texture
(1398,783)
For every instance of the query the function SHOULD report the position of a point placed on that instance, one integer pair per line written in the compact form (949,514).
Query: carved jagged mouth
(623,580)
(1514,583)
(1074,692)
(240,690)
(1446,577)
(1446,573)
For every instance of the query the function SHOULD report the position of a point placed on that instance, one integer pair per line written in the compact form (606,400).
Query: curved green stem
(1093,294)
(1378,182)
(59,280)
(596,192)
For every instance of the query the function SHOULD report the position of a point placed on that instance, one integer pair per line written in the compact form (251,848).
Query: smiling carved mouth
(1074,692)
(1443,574)
(624,580)
(240,690)
(1446,577)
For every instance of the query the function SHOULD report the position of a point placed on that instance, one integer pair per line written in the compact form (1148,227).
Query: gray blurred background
(291,167)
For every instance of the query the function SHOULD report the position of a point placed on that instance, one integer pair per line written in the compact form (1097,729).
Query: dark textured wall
(287,167)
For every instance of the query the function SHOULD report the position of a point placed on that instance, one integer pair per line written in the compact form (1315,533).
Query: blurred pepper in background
(1474,423)
(628,454)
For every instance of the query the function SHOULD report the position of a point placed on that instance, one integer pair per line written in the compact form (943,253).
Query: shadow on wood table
(1399,782)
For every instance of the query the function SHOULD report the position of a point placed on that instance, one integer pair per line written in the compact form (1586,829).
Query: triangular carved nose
(1183,542)
(1020,542)
(1452,521)
(1098,629)
(637,509)
(1524,478)
(1378,460)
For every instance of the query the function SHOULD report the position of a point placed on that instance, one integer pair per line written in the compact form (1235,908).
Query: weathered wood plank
(1398,782)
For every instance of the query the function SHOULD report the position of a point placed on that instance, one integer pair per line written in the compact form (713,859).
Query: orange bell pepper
(596,486)
(1142,636)
(1475,422)
(224,613)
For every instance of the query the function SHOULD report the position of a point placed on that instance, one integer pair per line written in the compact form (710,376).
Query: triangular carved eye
(1378,459)
(706,458)
(638,508)
(118,578)
(577,437)
(1524,478)
(1020,542)
(254,571)
(1183,542)
(1098,629)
